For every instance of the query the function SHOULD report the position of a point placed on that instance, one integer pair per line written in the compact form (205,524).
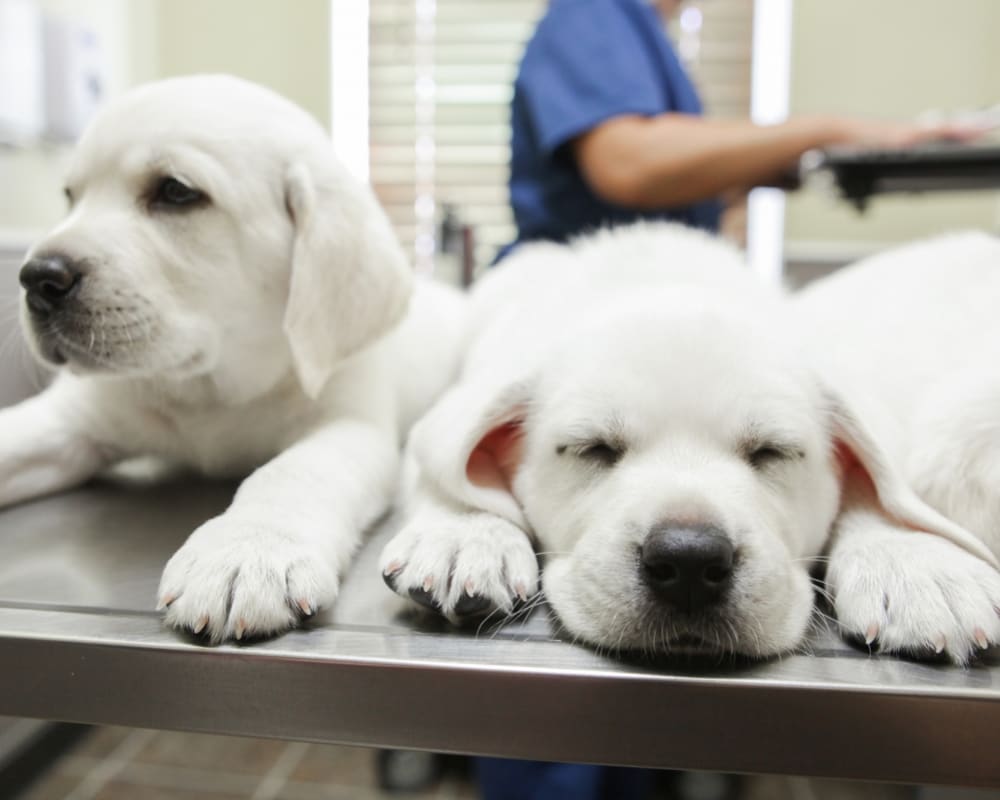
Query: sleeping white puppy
(224,295)
(912,336)
(637,408)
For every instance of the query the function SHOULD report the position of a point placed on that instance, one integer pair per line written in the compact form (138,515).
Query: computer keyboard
(939,166)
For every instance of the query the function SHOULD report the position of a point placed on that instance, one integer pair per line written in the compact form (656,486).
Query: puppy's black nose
(49,280)
(688,567)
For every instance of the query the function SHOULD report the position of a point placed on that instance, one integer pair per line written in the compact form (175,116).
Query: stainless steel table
(79,641)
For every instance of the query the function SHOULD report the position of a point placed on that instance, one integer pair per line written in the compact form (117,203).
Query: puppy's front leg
(910,592)
(45,444)
(462,563)
(277,552)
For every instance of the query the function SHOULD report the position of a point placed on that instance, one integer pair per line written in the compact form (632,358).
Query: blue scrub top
(589,61)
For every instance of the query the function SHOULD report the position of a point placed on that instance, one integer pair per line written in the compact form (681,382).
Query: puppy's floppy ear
(470,445)
(350,282)
(870,480)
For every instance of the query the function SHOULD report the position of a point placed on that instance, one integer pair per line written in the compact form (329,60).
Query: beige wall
(283,44)
(892,59)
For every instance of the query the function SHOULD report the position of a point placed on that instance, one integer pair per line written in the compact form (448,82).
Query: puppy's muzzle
(49,281)
(687,567)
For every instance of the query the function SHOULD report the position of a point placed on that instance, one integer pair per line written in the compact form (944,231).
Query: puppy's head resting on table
(209,243)
(672,452)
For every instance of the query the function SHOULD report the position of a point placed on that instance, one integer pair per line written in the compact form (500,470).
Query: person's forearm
(677,159)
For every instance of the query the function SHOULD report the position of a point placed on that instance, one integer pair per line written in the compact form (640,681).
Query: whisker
(811,560)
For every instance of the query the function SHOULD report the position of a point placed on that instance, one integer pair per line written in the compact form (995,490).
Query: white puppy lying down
(225,295)
(912,335)
(638,407)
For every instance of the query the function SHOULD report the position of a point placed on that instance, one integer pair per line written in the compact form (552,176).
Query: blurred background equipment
(22,87)
(74,77)
(861,174)
(52,74)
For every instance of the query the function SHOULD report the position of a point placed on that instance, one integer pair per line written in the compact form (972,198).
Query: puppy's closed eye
(171,194)
(597,452)
(761,455)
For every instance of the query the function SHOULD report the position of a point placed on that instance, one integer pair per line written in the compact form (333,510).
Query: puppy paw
(462,566)
(914,594)
(235,579)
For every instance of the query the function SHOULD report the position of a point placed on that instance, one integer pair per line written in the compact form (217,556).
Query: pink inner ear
(495,459)
(855,481)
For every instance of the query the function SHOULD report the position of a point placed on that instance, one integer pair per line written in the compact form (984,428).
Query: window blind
(441,76)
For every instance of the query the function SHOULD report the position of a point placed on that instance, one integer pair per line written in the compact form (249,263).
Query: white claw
(165,601)
(872,633)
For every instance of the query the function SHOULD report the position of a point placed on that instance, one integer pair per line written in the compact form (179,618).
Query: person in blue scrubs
(607,129)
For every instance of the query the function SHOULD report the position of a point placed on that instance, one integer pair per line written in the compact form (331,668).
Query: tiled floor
(128,764)
(131,764)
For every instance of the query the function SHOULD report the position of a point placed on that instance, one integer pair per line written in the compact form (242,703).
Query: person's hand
(885,134)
